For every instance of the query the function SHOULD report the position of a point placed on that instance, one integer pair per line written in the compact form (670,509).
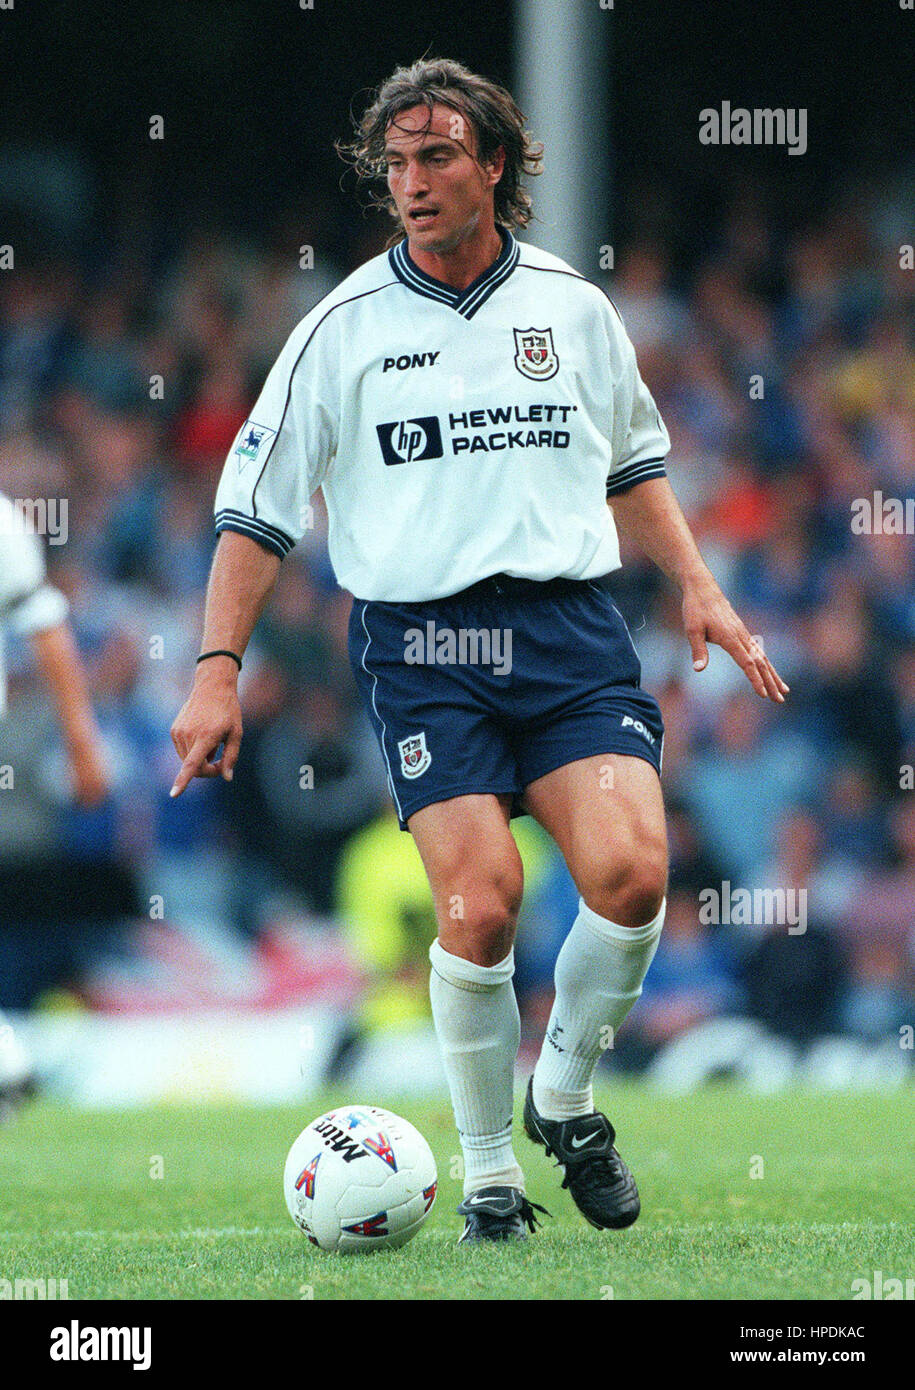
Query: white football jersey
(28,603)
(455,434)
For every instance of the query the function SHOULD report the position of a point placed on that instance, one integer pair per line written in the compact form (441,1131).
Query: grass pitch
(831,1202)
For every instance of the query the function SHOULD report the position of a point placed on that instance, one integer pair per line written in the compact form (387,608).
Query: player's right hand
(210,716)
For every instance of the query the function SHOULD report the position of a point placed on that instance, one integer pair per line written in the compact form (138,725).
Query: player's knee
(480,924)
(630,889)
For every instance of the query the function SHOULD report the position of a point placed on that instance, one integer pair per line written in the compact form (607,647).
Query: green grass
(835,1203)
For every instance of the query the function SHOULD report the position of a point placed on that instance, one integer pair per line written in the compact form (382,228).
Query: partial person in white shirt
(32,608)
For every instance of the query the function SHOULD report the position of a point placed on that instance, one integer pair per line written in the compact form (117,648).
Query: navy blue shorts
(493,687)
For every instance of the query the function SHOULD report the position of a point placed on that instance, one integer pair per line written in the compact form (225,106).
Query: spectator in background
(796,985)
(881,908)
(903,677)
(105,361)
(691,866)
(206,429)
(880,1002)
(38,887)
(846,700)
(802,863)
(745,782)
(298,269)
(854,817)
(33,340)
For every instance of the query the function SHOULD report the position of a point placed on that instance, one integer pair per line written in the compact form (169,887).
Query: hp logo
(405,441)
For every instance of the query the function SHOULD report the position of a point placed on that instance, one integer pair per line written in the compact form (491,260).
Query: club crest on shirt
(253,440)
(535,355)
(414,755)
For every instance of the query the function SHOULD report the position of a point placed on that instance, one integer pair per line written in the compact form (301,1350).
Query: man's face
(439,189)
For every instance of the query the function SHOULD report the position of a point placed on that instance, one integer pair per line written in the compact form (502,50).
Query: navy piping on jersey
(642,469)
(573,275)
(231,520)
(633,473)
(465,302)
(228,519)
(364,295)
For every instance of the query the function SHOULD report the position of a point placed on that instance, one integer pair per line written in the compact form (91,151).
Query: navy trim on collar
(465,302)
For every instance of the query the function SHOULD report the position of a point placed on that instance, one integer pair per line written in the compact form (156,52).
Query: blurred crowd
(782,359)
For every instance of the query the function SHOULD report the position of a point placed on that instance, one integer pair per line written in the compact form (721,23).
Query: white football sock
(599,974)
(478,1028)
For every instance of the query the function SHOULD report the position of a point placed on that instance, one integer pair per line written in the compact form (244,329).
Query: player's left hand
(708,617)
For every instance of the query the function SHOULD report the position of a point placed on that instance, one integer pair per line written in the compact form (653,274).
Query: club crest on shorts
(414,755)
(253,441)
(535,355)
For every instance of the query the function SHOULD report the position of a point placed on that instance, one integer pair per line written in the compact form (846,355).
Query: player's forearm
(62,669)
(650,514)
(241,580)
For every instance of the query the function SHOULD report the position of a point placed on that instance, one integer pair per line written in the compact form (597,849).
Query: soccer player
(469,405)
(33,608)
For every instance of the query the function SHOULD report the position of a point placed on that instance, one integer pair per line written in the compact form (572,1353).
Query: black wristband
(220,652)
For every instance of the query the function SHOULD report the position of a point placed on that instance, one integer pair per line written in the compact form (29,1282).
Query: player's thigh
(606,814)
(474,871)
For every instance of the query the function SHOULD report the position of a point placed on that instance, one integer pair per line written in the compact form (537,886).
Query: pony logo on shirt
(535,355)
(414,755)
(251,441)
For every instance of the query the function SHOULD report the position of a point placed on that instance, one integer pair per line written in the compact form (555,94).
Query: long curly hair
(489,108)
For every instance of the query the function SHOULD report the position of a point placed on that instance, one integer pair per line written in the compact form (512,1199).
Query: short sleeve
(28,604)
(640,439)
(282,451)
(44,608)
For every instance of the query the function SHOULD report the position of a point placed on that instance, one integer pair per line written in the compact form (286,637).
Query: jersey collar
(465,302)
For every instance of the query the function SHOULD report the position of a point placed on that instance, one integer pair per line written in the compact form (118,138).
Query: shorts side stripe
(598,590)
(384,727)
(625,629)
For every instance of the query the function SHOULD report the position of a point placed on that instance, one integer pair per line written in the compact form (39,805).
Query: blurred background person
(34,609)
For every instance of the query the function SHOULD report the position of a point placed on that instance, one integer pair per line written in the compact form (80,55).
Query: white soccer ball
(359,1179)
